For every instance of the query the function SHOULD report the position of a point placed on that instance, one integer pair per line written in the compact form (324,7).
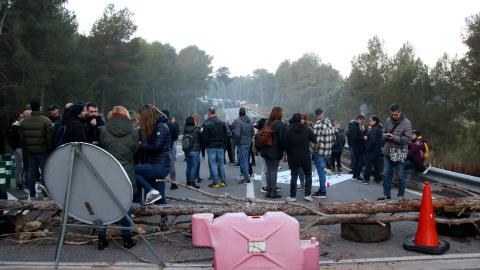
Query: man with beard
(93,123)
(74,129)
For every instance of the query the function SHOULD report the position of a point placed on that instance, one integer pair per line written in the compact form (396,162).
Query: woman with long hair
(273,154)
(120,139)
(156,151)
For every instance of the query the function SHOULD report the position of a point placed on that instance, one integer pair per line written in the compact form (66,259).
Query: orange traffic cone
(426,239)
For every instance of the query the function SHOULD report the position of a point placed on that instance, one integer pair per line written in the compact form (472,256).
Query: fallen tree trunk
(263,206)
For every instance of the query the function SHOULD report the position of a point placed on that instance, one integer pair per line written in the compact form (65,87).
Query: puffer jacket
(36,133)
(197,137)
(121,140)
(402,133)
(276,150)
(358,140)
(157,148)
(244,131)
(214,133)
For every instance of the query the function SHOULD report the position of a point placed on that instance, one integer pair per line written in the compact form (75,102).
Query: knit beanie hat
(76,109)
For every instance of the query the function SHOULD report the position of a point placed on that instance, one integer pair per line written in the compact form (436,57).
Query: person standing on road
(121,140)
(36,137)
(337,148)
(13,136)
(215,139)
(174,137)
(358,145)
(397,132)
(373,146)
(173,121)
(243,139)
(192,156)
(296,142)
(273,154)
(93,123)
(322,149)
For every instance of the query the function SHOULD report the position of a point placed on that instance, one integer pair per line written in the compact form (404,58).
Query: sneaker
(102,242)
(214,186)
(320,195)
(152,196)
(210,178)
(240,178)
(223,184)
(359,179)
(236,165)
(308,198)
(19,187)
(192,184)
(199,180)
(384,198)
(290,199)
(301,188)
(401,198)
(365,182)
(278,188)
(173,187)
(350,172)
(263,189)
(245,182)
(428,168)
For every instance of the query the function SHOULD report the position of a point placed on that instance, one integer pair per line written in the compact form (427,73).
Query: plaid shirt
(325,133)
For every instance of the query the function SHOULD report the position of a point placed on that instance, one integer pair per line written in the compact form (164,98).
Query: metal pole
(65,210)
(119,205)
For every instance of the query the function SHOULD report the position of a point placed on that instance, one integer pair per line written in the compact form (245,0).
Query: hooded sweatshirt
(296,141)
(417,147)
(121,140)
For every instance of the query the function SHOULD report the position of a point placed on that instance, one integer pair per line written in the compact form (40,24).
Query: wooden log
(262,206)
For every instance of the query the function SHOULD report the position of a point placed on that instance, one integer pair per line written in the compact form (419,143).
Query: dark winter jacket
(58,130)
(349,138)
(358,140)
(339,141)
(214,133)
(121,140)
(417,147)
(157,148)
(173,133)
(275,151)
(74,129)
(13,136)
(197,137)
(402,133)
(36,133)
(244,131)
(296,142)
(374,138)
(93,132)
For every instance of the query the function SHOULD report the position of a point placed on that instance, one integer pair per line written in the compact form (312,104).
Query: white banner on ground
(332,179)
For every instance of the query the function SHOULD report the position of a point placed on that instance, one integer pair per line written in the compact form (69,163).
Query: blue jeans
(407,165)
(357,165)
(243,156)
(193,160)
(215,157)
(320,165)
(301,175)
(389,165)
(174,148)
(36,161)
(352,157)
(150,173)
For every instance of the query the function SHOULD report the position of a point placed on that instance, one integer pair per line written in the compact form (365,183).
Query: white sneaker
(240,178)
(263,189)
(308,198)
(290,199)
(428,168)
(152,196)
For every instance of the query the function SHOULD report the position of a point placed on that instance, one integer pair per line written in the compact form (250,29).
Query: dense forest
(42,56)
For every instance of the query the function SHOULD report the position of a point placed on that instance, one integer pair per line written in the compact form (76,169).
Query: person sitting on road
(416,152)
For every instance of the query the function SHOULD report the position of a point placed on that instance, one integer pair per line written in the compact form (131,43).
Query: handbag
(398,154)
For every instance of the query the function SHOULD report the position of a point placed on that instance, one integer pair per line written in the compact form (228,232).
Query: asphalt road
(177,251)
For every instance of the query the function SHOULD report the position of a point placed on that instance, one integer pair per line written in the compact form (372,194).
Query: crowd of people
(145,145)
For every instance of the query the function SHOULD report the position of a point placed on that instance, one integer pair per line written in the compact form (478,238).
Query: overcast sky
(246,35)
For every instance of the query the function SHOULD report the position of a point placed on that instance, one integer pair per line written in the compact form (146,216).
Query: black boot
(275,194)
(267,194)
(128,242)
(102,242)
(173,186)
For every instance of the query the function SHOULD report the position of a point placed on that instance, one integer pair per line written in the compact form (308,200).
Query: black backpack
(188,142)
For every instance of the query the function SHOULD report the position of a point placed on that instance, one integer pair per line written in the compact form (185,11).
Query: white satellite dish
(89,200)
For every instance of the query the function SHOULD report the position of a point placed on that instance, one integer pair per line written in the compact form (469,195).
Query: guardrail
(468,182)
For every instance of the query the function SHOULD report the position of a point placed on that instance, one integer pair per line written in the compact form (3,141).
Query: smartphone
(389,135)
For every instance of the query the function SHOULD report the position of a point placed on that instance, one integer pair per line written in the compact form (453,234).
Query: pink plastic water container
(270,241)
